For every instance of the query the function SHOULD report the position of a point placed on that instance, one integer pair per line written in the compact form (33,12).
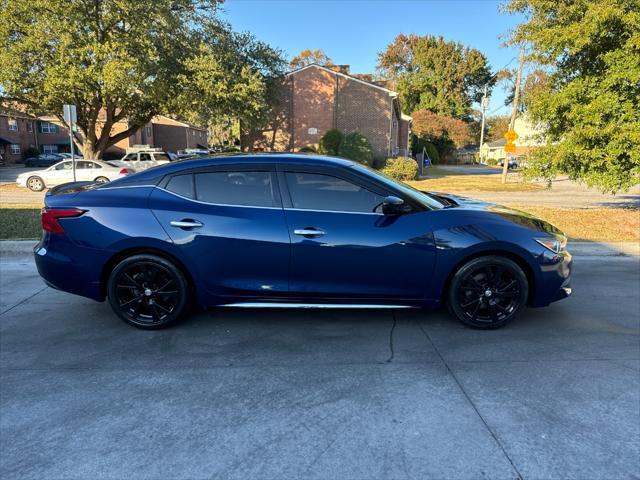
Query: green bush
(308,149)
(418,144)
(401,168)
(331,141)
(356,147)
(492,162)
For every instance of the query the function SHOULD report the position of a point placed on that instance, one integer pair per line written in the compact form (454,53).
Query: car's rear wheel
(488,292)
(101,179)
(148,291)
(35,184)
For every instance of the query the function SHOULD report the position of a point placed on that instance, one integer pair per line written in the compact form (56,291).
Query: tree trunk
(89,151)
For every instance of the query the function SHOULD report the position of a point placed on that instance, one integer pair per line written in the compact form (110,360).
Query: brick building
(22,134)
(314,99)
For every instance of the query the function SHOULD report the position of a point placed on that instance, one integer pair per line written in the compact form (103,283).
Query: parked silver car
(62,172)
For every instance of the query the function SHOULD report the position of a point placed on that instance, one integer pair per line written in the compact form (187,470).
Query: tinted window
(312,191)
(145,157)
(235,188)
(83,165)
(182,185)
(161,157)
(64,166)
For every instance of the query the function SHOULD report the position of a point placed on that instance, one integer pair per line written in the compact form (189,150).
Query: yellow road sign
(511,135)
(510,148)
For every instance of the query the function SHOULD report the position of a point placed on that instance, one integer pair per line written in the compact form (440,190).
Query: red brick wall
(22,137)
(314,92)
(367,110)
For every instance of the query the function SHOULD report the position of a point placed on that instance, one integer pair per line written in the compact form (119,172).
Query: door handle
(186,223)
(309,232)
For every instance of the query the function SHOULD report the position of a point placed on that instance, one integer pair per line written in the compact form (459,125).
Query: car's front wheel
(101,179)
(35,184)
(148,291)
(488,292)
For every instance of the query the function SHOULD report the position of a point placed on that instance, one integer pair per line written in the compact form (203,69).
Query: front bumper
(555,279)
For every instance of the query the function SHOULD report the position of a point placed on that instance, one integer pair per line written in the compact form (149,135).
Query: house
(22,134)
(314,99)
(530,135)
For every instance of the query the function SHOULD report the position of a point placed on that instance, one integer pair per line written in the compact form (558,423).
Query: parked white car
(62,172)
(141,160)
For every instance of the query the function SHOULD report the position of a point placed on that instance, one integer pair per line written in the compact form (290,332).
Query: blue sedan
(286,230)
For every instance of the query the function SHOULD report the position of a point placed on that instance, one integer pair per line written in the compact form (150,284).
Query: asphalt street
(321,394)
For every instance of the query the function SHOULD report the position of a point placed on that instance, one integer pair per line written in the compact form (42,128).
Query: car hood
(511,214)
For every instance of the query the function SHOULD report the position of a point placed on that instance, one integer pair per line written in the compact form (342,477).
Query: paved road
(299,394)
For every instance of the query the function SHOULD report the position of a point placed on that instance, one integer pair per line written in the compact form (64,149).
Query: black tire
(488,292)
(35,184)
(148,292)
(101,179)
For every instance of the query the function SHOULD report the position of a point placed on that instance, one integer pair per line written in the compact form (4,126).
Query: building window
(148,132)
(49,148)
(15,149)
(193,133)
(29,126)
(13,125)
(48,127)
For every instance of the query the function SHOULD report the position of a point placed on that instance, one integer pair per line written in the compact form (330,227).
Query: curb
(577,249)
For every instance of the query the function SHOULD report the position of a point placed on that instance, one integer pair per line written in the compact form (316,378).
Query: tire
(148,292)
(101,179)
(35,184)
(487,292)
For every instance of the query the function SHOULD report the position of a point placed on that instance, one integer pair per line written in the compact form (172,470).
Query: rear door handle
(309,232)
(186,223)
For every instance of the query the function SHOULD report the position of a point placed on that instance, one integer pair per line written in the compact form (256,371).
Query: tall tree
(444,132)
(590,100)
(307,57)
(497,126)
(434,74)
(128,60)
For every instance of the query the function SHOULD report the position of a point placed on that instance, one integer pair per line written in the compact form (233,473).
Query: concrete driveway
(321,394)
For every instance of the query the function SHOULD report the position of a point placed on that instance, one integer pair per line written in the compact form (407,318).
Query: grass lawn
(441,180)
(591,224)
(19,223)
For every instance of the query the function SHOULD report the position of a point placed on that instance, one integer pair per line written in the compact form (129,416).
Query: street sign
(511,135)
(71,117)
(510,148)
(69,114)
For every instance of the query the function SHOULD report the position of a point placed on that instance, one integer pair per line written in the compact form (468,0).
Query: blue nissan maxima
(293,231)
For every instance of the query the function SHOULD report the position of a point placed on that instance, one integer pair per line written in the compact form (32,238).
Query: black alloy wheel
(148,292)
(488,292)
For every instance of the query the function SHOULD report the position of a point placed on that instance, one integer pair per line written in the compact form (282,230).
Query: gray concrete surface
(321,394)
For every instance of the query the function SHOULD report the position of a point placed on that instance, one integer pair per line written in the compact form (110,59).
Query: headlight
(555,244)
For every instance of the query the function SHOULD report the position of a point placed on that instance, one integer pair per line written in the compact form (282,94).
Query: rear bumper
(79,275)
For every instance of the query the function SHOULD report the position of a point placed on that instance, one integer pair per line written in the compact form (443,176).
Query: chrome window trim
(214,204)
(332,211)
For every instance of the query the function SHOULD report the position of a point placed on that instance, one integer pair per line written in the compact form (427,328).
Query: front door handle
(186,223)
(309,232)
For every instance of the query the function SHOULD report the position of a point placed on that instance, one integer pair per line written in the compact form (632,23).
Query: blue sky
(353,32)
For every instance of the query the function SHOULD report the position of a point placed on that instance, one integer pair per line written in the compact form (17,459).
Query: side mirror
(393,206)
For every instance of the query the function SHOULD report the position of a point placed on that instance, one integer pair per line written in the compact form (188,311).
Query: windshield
(421,197)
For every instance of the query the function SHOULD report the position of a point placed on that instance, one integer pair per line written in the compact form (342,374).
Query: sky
(352,32)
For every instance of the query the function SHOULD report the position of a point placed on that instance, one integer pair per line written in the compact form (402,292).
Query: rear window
(182,185)
(161,157)
(242,188)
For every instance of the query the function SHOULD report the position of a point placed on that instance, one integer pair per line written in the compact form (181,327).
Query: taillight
(124,171)
(50,218)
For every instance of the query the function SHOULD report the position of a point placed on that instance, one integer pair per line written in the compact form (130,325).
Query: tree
(445,132)
(497,126)
(590,101)
(307,57)
(125,61)
(331,141)
(434,74)
(356,147)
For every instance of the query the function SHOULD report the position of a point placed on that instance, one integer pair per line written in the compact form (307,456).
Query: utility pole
(514,111)
(483,104)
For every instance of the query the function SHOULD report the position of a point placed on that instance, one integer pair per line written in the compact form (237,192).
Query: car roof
(155,173)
